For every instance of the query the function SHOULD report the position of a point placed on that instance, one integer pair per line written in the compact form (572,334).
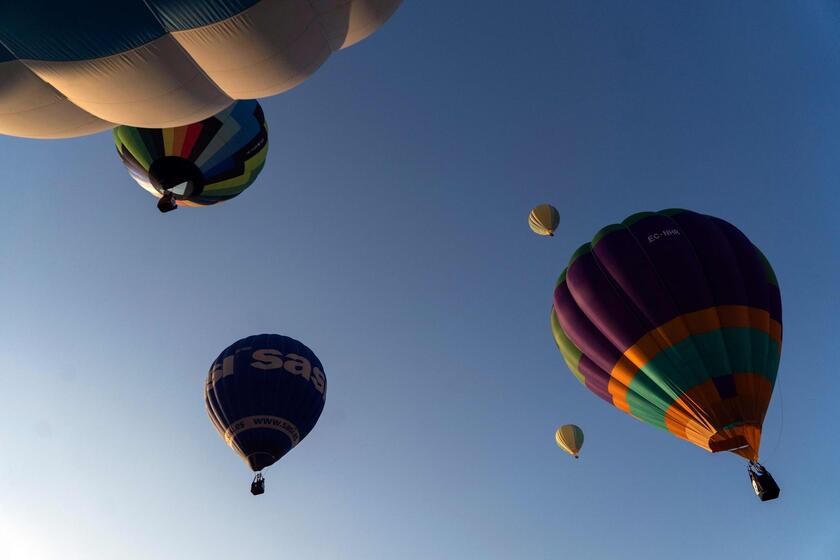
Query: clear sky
(389,233)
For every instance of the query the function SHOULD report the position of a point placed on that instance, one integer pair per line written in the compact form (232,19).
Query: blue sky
(389,233)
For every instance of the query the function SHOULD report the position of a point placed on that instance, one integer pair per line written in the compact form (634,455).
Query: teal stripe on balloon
(662,380)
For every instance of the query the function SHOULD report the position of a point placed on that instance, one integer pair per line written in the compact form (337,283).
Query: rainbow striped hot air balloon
(675,318)
(198,164)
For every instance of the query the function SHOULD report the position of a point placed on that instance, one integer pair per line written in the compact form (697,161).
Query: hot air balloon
(264,394)
(544,219)
(570,439)
(198,164)
(75,68)
(675,318)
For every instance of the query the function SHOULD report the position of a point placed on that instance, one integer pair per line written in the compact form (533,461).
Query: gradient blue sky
(389,233)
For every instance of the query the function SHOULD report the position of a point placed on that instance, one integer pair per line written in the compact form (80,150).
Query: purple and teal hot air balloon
(675,318)
(198,164)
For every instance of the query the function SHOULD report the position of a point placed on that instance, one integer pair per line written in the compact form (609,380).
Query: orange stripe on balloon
(618,391)
(624,370)
(688,416)
(761,390)
(678,329)
(688,412)
(684,426)
(178,135)
(701,416)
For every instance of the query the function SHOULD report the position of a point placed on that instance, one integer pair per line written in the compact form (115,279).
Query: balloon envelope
(675,318)
(70,68)
(264,394)
(570,438)
(201,163)
(544,219)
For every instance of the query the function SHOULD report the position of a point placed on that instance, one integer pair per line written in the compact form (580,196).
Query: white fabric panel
(157,85)
(265,50)
(32,108)
(366,16)
(349,21)
(144,182)
(334,19)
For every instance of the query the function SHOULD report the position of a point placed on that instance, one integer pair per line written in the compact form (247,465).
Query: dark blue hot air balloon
(264,394)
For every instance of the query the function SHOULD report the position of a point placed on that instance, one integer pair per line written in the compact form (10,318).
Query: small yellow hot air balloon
(570,439)
(544,220)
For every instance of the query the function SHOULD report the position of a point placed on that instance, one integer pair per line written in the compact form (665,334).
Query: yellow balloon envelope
(570,439)
(544,220)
